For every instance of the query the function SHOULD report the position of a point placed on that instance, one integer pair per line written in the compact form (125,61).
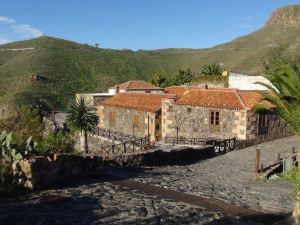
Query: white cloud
(248,18)
(4,40)
(27,31)
(244,25)
(4,19)
(18,30)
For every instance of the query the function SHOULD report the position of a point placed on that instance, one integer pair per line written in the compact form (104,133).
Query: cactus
(10,152)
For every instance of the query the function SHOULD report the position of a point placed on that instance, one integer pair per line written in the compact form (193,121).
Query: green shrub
(56,143)
(293,176)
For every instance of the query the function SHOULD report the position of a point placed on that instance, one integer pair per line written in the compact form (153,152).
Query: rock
(142,211)
(161,211)
(28,184)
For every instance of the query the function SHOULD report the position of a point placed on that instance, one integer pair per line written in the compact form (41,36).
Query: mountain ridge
(70,67)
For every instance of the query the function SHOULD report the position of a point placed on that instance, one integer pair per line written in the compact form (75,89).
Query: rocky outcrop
(39,172)
(289,15)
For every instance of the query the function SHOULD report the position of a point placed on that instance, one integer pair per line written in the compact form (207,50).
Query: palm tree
(83,118)
(212,69)
(284,94)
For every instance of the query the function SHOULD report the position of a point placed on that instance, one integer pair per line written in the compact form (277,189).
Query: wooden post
(177,129)
(256,168)
(148,125)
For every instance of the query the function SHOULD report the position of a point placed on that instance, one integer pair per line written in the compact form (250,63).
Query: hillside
(66,67)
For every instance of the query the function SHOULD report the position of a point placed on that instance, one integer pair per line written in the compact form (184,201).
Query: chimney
(117,89)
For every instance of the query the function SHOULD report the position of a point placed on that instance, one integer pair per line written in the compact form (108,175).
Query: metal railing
(185,141)
(130,146)
(219,145)
(118,136)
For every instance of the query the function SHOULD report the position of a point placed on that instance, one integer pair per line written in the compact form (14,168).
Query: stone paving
(104,203)
(229,178)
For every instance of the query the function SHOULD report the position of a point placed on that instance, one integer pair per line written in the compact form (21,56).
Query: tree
(83,118)
(183,77)
(97,45)
(159,81)
(284,95)
(212,69)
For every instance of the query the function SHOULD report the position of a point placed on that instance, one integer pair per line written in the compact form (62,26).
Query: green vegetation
(68,67)
(284,94)
(10,153)
(56,143)
(159,81)
(180,77)
(293,176)
(24,122)
(83,118)
(212,69)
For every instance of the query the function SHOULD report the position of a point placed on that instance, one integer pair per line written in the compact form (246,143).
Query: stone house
(219,113)
(135,86)
(132,86)
(137,114)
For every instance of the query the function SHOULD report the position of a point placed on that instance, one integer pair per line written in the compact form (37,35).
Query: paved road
(229,178)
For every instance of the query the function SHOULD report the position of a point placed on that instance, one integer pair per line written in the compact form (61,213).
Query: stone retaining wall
(39,172)
(159,157)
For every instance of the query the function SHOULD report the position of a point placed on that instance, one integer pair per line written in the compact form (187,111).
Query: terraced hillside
(53,69)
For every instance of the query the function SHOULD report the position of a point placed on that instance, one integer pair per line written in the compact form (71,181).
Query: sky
(135,24)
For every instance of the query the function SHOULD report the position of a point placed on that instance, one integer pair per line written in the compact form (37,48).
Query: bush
(56,143)
(293,176)
(25,122)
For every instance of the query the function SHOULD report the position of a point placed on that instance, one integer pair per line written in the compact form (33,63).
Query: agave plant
(212,69)
(83,118)
(284,94)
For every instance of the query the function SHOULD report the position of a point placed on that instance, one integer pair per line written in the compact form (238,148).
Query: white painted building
(246,82)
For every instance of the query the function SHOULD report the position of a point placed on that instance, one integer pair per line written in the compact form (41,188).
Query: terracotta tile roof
(218,97)
(251,98)
(137,101)
(137,84)
(213,98)
(177,90)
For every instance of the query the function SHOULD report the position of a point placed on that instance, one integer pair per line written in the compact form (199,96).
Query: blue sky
(136,24)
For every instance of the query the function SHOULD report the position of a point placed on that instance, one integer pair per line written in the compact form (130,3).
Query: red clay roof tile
(137,101)
(137,84)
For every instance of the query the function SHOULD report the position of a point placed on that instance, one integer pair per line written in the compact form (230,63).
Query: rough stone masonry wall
(277,128)
(195,124)
(124,119)
(41,171)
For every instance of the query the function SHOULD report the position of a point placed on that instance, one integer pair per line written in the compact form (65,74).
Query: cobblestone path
(105,203)
(228,178)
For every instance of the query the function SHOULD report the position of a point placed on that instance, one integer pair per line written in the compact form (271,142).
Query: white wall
(246,82)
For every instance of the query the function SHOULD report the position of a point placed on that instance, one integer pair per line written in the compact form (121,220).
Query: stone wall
(124,121)
(40,172)
(195,124)
(277,128)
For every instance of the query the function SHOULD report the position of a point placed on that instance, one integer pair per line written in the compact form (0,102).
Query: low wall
(159,158)
(39,172)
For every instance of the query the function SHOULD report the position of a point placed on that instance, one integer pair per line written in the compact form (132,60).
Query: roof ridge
(240,99)
(130,82)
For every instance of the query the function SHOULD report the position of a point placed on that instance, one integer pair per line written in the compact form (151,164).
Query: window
(189,110)
(214,120)
(262,124)
(147,91)
(112,118)
(136,120)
